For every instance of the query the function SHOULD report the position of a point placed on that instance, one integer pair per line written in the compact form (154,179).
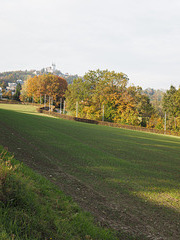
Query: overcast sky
(138,37)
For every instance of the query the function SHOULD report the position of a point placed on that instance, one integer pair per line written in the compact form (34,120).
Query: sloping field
(129,180)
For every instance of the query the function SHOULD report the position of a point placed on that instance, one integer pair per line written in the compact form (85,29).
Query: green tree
(92,91)
(79,91)
(103,89)
(16,96)
(177,103)
(169,104)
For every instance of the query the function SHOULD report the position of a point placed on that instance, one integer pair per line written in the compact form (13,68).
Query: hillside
(12,76)
(128,180)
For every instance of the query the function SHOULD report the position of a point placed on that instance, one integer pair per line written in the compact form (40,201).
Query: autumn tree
(91,92)
(7,94)
(49,84)
(78,92)
(177,103)
(107,90)
(171,105)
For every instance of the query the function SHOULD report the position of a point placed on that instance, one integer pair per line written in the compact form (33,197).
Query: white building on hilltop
(51,69)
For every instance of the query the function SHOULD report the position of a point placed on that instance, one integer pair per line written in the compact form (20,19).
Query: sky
(139,38)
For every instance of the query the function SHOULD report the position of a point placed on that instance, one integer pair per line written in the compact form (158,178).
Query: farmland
(129,180)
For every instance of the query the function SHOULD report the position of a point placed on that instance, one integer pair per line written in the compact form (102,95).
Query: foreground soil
(112,214)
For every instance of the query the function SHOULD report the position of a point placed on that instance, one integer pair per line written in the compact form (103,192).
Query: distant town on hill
(13,76)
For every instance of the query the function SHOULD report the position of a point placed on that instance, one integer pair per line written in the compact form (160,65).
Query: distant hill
(155,97)
(13,76)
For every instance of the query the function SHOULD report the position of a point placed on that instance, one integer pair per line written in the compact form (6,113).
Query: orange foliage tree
(47,84)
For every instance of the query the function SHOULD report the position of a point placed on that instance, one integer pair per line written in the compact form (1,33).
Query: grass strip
(32,208)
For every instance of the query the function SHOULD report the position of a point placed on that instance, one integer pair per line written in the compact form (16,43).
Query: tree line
(105,95)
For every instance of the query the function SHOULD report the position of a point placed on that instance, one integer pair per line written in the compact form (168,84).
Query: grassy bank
(33,208)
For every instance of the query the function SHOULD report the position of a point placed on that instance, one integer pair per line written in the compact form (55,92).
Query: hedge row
(118,125)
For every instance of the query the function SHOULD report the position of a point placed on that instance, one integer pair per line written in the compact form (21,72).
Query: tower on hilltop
(53,67)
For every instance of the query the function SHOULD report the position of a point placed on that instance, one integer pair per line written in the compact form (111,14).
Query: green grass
(33,208)
(137,168)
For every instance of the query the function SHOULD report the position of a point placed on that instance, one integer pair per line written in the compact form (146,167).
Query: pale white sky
(138,37)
